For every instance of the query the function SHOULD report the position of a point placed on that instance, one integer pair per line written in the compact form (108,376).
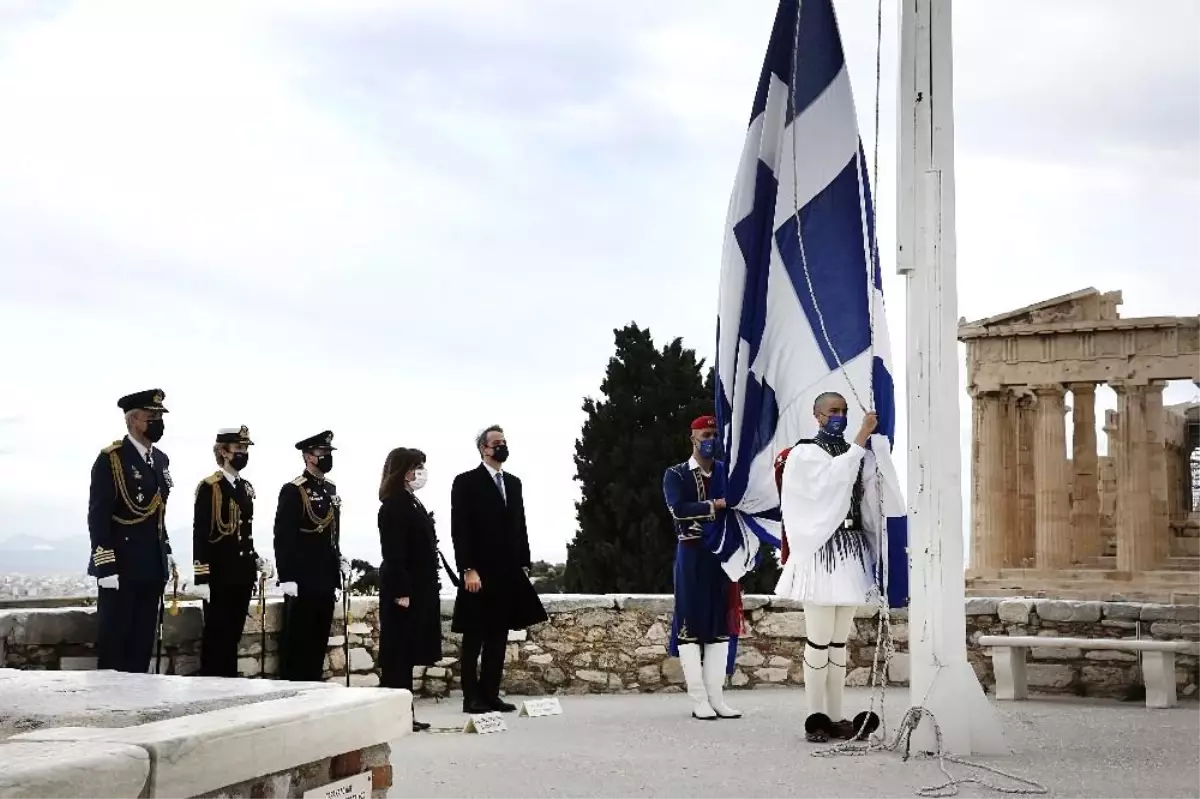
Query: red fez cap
(704,422)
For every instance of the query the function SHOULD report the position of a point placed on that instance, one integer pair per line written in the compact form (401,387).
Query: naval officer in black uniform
(225,563)
(311,567)
(131,553)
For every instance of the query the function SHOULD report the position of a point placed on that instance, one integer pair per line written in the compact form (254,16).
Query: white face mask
(418,481)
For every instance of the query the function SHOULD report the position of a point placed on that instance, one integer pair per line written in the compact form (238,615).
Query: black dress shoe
(419,726)
(475,708)
(501,706)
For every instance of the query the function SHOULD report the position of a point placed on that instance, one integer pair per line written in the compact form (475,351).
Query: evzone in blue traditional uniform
(707,603)
(831,495)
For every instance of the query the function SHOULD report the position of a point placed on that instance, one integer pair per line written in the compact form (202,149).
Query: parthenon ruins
(1082,525)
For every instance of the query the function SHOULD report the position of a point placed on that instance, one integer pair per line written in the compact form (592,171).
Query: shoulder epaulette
(111,448)
(331,484)
(299,481)
(211,480)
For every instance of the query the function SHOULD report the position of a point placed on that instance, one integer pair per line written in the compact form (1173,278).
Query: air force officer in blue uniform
(131,554)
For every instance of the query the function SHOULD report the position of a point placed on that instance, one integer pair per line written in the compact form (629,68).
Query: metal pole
(346,627)
(942,680)
(159,636)
(262,625)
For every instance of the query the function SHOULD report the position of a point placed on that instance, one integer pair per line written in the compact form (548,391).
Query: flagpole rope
(885,647)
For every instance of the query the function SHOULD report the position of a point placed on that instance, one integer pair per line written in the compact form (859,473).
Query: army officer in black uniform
(226,563)
(131,553)
(311,567)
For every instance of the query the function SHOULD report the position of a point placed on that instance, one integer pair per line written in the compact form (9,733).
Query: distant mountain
(29,554)
(23,541)
(22,553)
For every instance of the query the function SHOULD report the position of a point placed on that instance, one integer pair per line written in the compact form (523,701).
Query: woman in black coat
(410,618)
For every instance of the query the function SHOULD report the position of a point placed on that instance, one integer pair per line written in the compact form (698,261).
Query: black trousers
(483,664)
(127,619)
(306,623)
(224,620)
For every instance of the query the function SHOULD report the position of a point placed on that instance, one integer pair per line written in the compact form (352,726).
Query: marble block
(200,753)
(38,699)
(53,769)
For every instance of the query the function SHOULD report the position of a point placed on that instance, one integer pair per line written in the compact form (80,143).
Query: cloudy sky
(406,220)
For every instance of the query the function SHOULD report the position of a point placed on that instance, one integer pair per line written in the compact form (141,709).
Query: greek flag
(801,300)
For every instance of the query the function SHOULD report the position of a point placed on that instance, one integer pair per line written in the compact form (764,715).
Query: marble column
(977,501)
(1051,500)
(1135,518)
(1023,553)
(992,529)
(1110,495)
(1156,455)
(1011,482)
(1085,499)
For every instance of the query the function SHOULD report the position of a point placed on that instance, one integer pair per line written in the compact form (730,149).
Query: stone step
(1172,564)
(1105,592)
(1159,578)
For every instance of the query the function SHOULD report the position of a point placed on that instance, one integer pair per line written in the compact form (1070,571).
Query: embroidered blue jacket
(690,505)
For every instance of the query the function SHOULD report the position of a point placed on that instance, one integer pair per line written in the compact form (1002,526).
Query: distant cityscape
(46,586)
(36,567)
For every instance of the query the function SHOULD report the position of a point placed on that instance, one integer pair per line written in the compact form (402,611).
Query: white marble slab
(203,752)
(38,699)
(54,769)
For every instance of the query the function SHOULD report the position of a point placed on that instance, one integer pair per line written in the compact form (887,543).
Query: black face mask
(500,453)
(325,463)
(154,430)
(238,461)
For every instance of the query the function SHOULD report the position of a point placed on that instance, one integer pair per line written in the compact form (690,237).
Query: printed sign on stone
(485,723)
(356,787)
(543,706)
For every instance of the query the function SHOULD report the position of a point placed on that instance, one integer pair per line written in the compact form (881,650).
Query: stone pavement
(647,745)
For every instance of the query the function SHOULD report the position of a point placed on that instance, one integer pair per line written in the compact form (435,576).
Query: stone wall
(618,644)
(294,782)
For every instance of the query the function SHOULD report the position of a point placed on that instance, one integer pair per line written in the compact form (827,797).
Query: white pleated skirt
(849,582)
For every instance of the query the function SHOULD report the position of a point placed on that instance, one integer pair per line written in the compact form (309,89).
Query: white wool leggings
(828,627)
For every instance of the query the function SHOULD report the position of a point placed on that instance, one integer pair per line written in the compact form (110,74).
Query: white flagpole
(942,679)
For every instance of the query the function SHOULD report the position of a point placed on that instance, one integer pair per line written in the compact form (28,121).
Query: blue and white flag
(801,301)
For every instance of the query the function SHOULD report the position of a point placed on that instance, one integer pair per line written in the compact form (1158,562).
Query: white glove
(202,591)
(345,568)
(267,568)
(289,589)
(112,581)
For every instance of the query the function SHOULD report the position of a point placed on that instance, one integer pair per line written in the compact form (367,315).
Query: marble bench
(1158,662)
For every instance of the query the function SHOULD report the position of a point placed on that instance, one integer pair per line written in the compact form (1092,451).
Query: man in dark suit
(311,567)
(131,554)
(491,549)
(225,562)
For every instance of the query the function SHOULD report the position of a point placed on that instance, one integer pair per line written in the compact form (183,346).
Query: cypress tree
(626,542)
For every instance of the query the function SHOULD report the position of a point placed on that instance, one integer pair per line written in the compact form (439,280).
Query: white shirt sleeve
(815,495)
